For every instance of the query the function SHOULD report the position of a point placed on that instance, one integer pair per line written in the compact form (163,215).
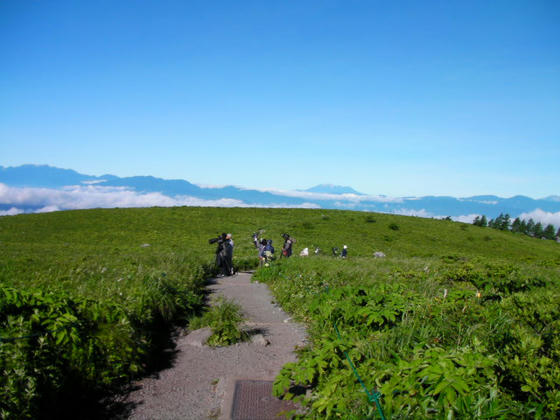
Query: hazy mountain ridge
(49,188)
(333,189)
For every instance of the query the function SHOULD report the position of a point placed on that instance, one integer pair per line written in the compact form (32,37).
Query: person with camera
(224,254)
(229,254)
(261,247)
(287,247)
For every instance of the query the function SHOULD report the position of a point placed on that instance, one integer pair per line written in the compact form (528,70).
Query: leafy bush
(530,350)
(502,279)
(224,318)
(58,343)
(67,346)
(436,382)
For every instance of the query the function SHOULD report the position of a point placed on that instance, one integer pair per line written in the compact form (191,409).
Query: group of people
(224,251)
(343,254)
(266,249)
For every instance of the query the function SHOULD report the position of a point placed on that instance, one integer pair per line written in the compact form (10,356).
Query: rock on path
(201,382)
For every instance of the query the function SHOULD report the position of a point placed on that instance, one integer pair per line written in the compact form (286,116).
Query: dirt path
(201,382)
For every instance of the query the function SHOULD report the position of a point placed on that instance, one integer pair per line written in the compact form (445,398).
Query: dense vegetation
(90,297)
(467,326)
(456,320)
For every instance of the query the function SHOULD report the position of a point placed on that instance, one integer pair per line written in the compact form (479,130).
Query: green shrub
(73,345)
(436,382)
(224,318)
(58,343)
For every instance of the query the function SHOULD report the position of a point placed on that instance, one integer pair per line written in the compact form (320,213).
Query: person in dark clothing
(268,252)
(221,253)
(344,251)
(256,239)
(261,247)
(224,254)
(287,248)
(228,261)
(269,246)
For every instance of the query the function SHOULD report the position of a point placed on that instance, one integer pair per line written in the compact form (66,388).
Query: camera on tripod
(220,239)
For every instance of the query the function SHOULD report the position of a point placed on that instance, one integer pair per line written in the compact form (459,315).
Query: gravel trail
(200,383)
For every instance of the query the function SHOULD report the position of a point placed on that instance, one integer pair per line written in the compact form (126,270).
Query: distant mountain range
(333,189)
(39,188)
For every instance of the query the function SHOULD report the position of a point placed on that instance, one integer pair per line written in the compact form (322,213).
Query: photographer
(229,254)
(256,240)
(268,252)
(287,248)
(223,251)
(261,247)
(257,237)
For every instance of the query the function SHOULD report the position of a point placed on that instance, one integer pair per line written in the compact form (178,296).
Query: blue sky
(398,98)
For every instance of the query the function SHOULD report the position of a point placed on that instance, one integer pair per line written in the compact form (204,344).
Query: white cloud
(467,218)
(48,209)
(424,213)
(542,216)
(210,186)
(95,196)
(355,198)
(11,212)
(537,215)
(284,206)
(412,212)
(95,181)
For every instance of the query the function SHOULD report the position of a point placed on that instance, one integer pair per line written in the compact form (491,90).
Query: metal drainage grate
(253,400)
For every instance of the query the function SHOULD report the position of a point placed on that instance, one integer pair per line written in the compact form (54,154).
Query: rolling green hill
(91,291)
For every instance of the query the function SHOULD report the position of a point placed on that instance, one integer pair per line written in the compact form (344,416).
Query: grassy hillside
(33,245)
(105,282)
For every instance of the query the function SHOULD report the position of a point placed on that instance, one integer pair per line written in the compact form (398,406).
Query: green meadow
(456,321)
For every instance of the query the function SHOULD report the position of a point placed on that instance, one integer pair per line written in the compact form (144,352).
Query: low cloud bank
(15,200)
(544,217)
(538,215)
(350,198)
(11,212)
(416,213)
(43,200)
(467,218)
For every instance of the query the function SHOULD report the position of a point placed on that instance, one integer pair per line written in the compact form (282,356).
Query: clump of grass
(224,318)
